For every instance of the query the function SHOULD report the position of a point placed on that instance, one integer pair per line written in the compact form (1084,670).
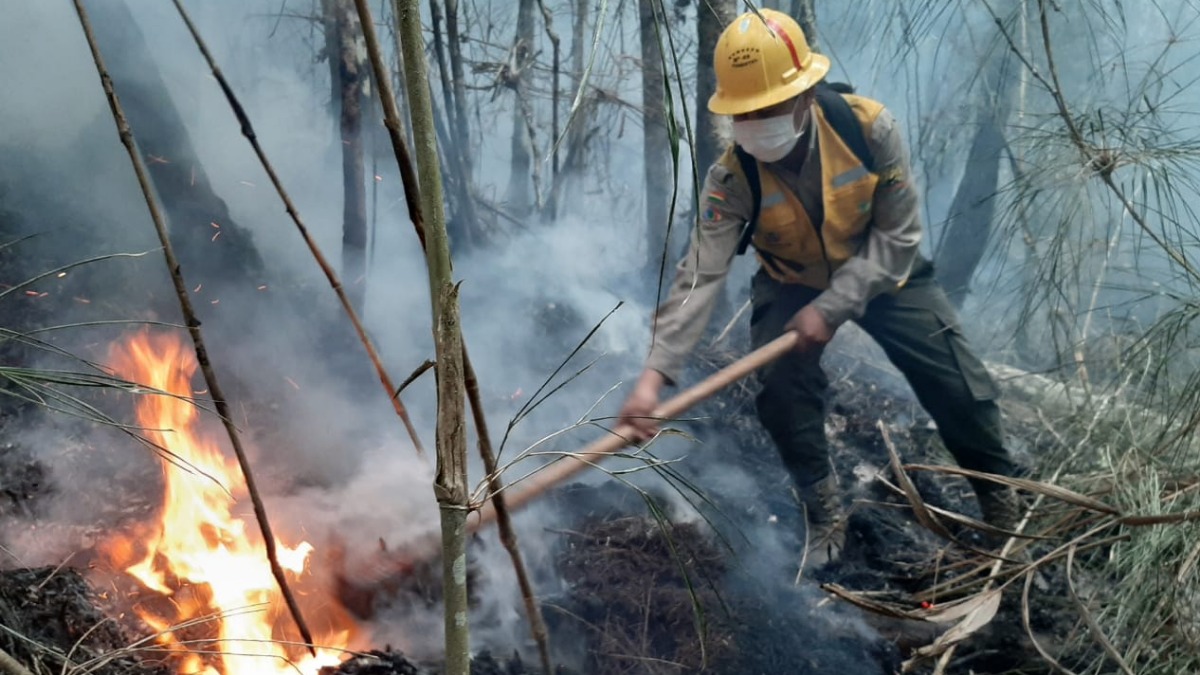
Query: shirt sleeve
(893,239)
(681,319)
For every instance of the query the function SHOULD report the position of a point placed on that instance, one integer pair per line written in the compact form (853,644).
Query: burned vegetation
(706,587)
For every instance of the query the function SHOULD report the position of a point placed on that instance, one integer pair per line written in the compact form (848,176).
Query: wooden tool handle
(569,465)
(391,564)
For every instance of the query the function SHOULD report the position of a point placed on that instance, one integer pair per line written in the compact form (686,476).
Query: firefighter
(818,181)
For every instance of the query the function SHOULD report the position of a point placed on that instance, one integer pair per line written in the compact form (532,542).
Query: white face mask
(769,139)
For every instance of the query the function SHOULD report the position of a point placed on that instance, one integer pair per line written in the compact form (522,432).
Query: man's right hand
(641,404)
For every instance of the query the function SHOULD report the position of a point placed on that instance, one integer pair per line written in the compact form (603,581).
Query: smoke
(334,453)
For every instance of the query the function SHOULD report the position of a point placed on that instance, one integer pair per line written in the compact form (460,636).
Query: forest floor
(717,594)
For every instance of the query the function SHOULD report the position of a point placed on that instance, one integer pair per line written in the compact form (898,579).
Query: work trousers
(918,329)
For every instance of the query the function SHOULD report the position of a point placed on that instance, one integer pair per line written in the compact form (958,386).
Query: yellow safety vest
(790,247)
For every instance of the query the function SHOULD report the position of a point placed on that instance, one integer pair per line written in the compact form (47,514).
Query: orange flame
(201,554)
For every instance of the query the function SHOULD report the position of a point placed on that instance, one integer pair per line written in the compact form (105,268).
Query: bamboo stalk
(193,323)
(450,484)
(508,535)
(248,131)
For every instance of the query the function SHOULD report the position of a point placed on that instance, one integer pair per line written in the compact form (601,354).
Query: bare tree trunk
(463,223)
(656,152)
(556,46)
(805,14)
(454,43)
(520,176)
(575,157)
(969,223)
(450,484)
(351,84)
(712,18)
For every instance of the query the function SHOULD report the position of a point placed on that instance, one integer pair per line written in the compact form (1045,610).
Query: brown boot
(1000,505)
(824,534)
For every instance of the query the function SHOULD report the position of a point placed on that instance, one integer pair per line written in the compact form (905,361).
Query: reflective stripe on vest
(789,246)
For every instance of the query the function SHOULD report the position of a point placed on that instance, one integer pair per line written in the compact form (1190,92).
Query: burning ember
(205,554)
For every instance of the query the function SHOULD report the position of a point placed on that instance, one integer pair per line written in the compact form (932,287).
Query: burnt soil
(648,590)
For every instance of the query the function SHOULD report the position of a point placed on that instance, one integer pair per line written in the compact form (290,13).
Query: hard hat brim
(726,105)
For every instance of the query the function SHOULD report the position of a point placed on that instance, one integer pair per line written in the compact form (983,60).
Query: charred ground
(667,590)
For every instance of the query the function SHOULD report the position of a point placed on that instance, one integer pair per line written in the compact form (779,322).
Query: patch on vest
(712,215)
(773,199)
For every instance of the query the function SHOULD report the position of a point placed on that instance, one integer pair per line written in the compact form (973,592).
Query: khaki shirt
(881,265)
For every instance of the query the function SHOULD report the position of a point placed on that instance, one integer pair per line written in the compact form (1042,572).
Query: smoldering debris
(645,595)
(635,588)
(51,621)
(389,662)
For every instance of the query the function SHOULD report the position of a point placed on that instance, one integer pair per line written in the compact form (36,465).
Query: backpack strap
(841,117)
(750,169)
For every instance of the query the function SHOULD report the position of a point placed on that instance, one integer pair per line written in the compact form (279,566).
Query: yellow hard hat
(761,59)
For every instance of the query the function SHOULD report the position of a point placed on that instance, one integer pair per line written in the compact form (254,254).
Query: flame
(201,554)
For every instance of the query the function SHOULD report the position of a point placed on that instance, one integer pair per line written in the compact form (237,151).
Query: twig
(412,377)
(193,323)
(507,535)
(732,322)
(1025,620)
(334,281)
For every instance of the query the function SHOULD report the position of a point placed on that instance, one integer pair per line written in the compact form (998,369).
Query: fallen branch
(193,324)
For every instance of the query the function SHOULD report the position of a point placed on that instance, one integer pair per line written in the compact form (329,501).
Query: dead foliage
(49,622)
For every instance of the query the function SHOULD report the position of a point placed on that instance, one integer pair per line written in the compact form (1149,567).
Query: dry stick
(248,131)
(418,372)
(507,534)
(944,661)
(193,324)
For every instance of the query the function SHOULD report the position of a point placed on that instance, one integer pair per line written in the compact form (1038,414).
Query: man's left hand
(811,327)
